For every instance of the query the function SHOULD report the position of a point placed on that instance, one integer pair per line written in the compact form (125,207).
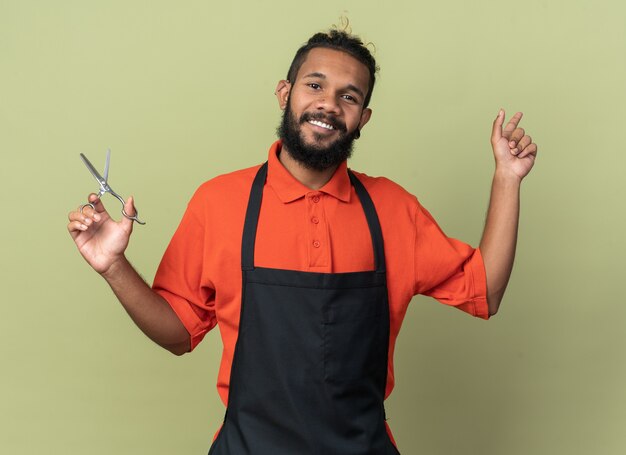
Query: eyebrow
(352,87)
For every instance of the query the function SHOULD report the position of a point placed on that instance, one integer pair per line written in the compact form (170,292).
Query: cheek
(296,110)
(354,120)
(297,101)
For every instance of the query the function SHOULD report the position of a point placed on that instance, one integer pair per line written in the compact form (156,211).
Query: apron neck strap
(254,208)
(372,221)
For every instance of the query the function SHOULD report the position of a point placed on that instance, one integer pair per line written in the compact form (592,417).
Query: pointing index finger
(510,127)
(97,202)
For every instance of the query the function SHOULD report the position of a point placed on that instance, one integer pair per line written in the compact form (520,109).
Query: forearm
(151,312)
(500,235)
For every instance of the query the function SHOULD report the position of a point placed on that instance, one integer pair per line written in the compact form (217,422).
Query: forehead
(337,66)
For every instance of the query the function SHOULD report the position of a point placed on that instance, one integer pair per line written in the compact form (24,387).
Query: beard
(315,156)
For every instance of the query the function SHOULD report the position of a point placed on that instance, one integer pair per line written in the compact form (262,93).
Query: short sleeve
(447,269)
(179,278)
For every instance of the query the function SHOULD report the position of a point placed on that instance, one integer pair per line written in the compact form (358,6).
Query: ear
(282,93)
(365,117)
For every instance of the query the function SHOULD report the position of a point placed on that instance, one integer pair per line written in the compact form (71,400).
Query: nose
(328,104)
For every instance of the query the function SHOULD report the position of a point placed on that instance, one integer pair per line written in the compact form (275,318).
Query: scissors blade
(106,166)
(93,171)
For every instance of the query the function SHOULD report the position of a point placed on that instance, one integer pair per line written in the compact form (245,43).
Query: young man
(308,268)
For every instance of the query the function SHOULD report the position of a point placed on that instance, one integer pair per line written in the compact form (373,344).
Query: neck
(310,178)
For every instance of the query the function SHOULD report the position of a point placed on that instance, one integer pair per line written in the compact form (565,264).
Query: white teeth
(322,124)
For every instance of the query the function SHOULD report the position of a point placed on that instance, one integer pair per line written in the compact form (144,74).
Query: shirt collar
(289,189)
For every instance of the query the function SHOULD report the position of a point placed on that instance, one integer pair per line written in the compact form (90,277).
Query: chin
(318,142)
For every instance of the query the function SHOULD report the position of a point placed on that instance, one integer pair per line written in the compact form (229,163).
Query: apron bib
(310,364)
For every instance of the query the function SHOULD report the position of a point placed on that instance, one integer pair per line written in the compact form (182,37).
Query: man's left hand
(513,149)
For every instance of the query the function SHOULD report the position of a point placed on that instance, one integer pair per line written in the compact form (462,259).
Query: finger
(97,202)
(496,132)
(516,135)
(511,125)
(76,216)
(77,224)
(88,213)
(524,142)
(75,227)
(530,150)
(86,219)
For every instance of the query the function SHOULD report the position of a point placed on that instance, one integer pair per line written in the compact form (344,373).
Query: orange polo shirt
(314,231)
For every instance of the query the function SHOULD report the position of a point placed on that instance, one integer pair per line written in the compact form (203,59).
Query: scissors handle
(134,218)
(119,198)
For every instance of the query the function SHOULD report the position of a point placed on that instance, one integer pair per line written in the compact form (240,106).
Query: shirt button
(316,244)
(314,220)
(316,199)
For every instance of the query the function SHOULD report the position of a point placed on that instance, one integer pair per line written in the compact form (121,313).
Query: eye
(350,98)
(314,85)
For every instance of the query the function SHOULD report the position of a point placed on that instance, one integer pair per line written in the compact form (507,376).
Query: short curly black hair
(341,41)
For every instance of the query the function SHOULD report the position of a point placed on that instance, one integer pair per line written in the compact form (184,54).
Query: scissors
(104,186)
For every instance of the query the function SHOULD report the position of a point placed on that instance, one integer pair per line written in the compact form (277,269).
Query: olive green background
(183,91)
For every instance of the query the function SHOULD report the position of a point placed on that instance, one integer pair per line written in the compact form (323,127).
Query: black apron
(310,364)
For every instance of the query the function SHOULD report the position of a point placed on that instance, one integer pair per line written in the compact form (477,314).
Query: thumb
(496,132)
(129,209)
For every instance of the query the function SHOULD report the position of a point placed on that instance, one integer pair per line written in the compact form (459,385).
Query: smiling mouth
(321,124)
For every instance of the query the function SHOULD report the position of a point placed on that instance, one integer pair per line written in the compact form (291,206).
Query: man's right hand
(102,242)
(100,239)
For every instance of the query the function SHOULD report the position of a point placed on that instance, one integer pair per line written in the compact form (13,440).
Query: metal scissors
(104,186)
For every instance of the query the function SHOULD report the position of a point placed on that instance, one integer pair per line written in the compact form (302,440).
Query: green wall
(183,91)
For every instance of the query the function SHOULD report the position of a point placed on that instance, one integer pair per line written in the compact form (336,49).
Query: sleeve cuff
(476,267)
(196,328)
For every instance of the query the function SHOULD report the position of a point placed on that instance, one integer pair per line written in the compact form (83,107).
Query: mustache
(320,116)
